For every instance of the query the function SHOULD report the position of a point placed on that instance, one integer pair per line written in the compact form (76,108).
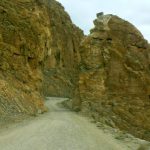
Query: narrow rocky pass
(59,129)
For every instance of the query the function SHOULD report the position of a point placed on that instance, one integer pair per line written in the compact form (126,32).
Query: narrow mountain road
(59,129)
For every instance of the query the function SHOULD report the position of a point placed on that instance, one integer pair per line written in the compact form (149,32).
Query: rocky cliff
(38,54)
(114,79)
(41,54)
(61,65)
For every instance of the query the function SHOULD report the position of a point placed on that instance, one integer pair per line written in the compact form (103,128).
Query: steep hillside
(35,37)
(61,66)
(114,80)
(41,54)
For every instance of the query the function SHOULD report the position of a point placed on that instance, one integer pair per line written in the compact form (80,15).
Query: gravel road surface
(58,129)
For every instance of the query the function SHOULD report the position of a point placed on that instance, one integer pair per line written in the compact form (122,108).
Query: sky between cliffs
(83,12)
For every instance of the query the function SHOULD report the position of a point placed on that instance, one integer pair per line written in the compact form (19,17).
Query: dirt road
(59,129)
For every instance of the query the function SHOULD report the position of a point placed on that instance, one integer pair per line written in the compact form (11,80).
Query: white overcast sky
(83,12)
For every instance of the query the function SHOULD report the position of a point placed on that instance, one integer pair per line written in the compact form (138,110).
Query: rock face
(40,54)
(38,42)
(114,80)
(61,66)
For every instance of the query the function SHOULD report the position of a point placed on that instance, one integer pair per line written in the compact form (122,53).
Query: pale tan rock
(115,75)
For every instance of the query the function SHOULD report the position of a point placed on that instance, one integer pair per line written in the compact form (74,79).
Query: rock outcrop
(108,76)
(38,54)
(114,80)
(61,65)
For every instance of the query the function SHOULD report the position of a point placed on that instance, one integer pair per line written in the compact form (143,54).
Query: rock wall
(61,66)
(114,80)
(108,76)
(37,41)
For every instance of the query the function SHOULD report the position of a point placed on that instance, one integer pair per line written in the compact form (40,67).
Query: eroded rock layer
(35,37)
(114,80)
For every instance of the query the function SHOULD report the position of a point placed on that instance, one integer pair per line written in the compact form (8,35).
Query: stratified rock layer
(35,37)
(114,81)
